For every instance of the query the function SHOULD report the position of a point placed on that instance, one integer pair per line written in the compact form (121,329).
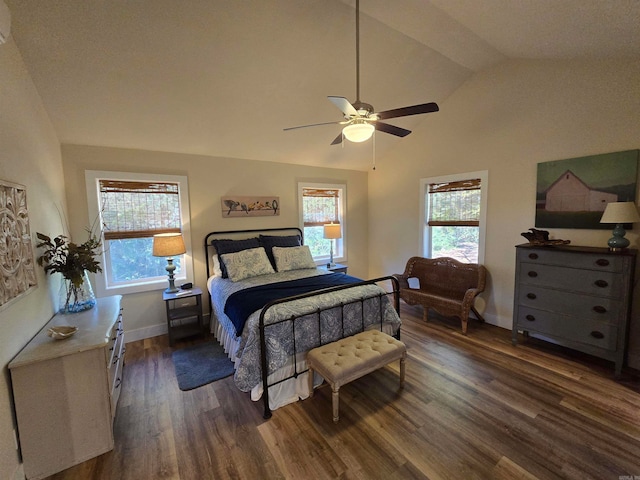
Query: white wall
(30,156)
(507,120)
(209,179)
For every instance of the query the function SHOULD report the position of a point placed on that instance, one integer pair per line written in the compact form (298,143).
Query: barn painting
(573,193)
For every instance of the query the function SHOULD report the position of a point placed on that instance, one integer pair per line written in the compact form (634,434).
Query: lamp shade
(358,132)
(168,245)
(620,212)
(332,230)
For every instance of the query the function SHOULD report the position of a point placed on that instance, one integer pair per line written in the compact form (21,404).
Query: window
(319,204)
(453,215)
(132,209)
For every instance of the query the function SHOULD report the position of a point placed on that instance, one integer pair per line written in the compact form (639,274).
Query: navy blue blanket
(240,305)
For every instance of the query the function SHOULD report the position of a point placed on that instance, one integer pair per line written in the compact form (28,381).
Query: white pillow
(215,264)
(293,258)
(247,263)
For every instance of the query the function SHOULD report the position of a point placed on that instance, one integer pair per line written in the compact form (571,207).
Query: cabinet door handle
(597,334)
(531,318)
(602,262)
(599,309)
(531,296)
(533,256)
(601,283)
(532,274)
(118,383)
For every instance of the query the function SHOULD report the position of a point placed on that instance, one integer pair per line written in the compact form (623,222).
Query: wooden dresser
(579,297)
(66,391)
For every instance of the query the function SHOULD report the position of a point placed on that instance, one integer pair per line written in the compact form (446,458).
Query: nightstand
(184,313)
(337,268)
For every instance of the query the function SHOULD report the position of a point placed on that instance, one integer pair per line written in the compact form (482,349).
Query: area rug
(198,365)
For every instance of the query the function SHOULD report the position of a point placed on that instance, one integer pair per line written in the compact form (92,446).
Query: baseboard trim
(145,332)
(18,473)
(633,360)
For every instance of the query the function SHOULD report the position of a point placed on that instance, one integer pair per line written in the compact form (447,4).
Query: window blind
(135,209)
(454,203)
(320,206)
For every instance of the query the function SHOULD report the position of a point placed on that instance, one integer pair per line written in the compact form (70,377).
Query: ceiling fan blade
(406,111)
(344,105)
(337,140)
(312,125)
(392,129)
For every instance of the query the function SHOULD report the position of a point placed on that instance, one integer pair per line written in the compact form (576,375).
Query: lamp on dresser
(331,232)
(168,245)
(619,213)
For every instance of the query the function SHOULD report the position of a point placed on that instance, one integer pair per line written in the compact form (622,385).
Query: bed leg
(267,410)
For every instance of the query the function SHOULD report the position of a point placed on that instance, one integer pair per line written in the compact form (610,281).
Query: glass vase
(74,299)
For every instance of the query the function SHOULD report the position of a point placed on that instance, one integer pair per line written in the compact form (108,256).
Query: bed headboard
(209,249)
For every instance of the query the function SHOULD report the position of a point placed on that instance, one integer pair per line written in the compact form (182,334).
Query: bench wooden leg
(310,373)
(402,367)
(425,313)
(335,402)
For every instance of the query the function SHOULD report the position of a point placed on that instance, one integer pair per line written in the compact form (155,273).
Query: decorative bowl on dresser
(66,391)
(578,297)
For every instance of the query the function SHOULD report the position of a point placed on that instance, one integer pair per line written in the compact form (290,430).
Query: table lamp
(168,245)
(331,232)
(619,213)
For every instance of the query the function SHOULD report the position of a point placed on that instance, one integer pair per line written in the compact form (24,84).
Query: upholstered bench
(350,358)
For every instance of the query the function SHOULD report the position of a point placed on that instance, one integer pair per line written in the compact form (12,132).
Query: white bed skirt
(283,393)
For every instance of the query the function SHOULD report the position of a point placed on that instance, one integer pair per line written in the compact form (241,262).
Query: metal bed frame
(292,320)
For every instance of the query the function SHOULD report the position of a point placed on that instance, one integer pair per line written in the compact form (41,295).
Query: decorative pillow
(247,263)
(293,258)
(270,241)
(232,246)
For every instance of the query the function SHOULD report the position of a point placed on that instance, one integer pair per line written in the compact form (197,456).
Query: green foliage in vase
(68,258)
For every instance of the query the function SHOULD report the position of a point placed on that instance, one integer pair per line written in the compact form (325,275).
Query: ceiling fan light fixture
(358,132)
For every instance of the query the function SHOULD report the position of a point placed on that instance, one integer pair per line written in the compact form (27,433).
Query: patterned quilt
(280,338)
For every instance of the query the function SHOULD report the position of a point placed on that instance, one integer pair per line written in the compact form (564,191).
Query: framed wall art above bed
(250,206)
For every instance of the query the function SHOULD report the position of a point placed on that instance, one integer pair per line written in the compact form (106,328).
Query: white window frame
(425,232)
(340,252)
(103,288)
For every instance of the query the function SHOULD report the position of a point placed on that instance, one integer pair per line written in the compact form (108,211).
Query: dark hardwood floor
(473,407)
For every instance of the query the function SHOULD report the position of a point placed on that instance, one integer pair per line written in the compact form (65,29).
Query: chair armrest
(403,280)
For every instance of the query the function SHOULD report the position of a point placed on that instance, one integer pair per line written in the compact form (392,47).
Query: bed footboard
(382,302)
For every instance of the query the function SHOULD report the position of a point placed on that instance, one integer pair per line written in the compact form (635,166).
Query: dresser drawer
(600,309)
(605,283)
(574,329)
(549,256)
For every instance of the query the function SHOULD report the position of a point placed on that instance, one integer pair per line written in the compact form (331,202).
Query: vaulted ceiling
(223,78)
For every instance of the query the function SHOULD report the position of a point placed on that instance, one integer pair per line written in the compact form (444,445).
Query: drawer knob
(599,309)
(601,283)
(531,296)
(602,262)
(533,256)
(597,334)
(532,274)
(531,318)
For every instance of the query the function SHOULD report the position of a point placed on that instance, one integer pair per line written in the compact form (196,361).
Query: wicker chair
(445,284)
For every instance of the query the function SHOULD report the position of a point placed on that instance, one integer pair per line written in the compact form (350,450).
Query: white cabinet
(66,391)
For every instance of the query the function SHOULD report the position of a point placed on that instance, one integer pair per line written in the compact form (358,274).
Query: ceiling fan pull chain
(357,51)
(374,150)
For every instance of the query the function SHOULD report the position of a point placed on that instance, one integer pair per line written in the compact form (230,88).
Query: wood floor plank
(473,407)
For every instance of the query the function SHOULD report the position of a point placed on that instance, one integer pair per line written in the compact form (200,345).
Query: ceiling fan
(360,120)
